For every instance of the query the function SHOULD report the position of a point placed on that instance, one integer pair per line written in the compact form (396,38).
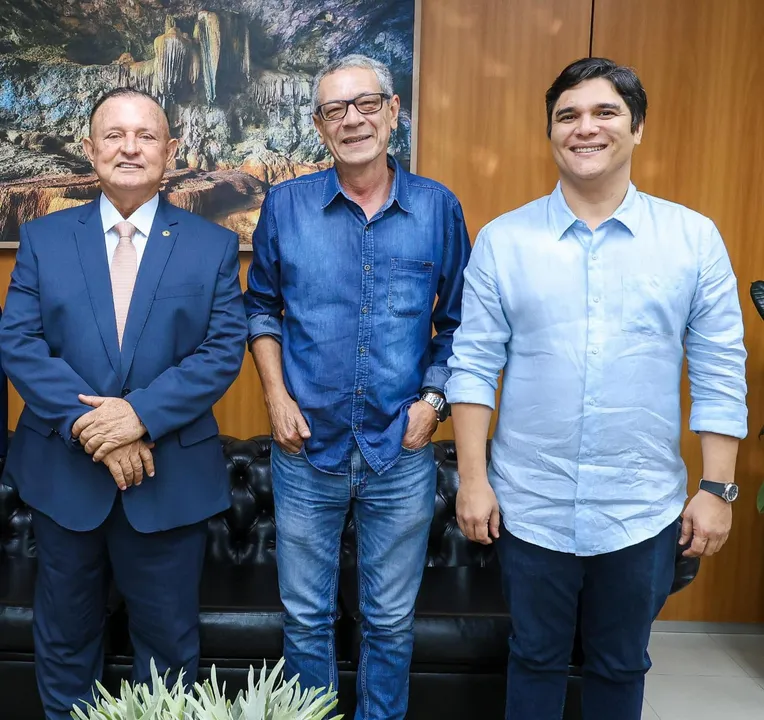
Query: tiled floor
(696,676)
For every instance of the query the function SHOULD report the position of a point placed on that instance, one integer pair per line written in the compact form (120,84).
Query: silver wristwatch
(442,408)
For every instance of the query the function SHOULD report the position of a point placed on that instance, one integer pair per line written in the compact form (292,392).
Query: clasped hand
(112,433)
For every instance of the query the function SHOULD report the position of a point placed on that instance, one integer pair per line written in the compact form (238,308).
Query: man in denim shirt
(353,378)
(587,299)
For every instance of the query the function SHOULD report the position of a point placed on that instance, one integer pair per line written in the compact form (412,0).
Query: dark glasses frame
(354,102)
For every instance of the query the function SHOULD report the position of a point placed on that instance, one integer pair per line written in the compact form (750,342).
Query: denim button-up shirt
(590,329)
(351,301)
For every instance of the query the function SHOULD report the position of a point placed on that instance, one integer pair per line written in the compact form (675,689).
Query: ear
(172,148)
(395,107)
(638,134)
(318,125)
(87,146)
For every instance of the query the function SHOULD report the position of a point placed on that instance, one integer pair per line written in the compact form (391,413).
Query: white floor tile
(691,654)
(746,650)
(648,713)
(705,698)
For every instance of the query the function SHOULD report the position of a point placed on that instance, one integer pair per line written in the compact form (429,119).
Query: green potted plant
(271,698)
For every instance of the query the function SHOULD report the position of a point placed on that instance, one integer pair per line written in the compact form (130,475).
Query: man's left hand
(707,521)
(112,424)
(423,420)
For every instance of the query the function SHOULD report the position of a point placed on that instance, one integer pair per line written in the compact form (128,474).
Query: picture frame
(235,83)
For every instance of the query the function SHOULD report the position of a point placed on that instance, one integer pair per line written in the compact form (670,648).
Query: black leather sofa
(461,627)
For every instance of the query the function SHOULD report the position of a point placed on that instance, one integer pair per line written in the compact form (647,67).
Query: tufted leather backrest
(245,534)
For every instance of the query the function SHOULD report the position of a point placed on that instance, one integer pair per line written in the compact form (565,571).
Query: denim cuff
(436,377)
(263,325)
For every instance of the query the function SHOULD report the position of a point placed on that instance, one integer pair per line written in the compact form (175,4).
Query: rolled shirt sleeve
(480,342)
(447,311)
(714,345)
(262,299)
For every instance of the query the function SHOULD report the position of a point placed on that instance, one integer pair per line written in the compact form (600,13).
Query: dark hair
(623,79)
(124,92)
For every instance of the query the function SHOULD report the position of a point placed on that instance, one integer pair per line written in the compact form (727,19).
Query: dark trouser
(620,595)
(158,574)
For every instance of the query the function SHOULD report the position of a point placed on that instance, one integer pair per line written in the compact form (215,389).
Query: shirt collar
(399,192)
(561,217)
(142,218)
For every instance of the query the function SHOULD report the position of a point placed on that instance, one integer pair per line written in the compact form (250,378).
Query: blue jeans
(392,513)
(620,594)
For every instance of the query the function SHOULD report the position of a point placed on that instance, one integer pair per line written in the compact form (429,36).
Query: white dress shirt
(142,218)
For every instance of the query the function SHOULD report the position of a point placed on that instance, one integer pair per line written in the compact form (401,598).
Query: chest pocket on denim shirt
(409,292)
(649,304)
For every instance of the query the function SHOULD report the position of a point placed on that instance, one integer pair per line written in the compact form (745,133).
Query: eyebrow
(598,106)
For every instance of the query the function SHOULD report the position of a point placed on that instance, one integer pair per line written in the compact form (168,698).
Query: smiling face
(130,147)
(591,133)
(357,139)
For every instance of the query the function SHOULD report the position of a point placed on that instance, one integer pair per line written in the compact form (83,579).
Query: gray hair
(384,76)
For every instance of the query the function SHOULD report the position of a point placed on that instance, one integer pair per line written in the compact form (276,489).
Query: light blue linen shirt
(590,329)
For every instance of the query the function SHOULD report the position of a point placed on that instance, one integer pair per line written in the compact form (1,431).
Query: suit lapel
(164,232)
(91,247)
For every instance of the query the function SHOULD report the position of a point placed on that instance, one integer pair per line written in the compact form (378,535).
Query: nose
(353,117)
(129,144)
(587,126)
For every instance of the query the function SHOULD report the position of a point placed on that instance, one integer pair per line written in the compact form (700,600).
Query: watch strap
(726,491)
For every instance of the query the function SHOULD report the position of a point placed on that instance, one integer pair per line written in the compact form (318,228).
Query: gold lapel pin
(166,233)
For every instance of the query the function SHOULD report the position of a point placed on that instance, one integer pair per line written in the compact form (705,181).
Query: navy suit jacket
(182,348)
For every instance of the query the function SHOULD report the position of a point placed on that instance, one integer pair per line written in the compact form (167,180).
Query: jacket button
(126,392)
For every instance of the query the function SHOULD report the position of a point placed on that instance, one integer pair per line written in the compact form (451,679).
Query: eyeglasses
(366,104)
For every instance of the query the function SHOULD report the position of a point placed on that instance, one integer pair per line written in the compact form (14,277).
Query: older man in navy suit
(124,324)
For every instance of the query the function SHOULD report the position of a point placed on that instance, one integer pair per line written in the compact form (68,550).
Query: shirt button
(361,350)
(364,310)
(595,257)
(359,391)
(367,267)
(582,501)
(355,427)
(595,351)
(596,299)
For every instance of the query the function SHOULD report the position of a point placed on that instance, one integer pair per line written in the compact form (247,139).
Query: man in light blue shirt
(587,299)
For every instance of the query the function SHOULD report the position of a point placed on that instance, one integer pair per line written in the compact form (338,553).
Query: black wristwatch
(726,491)
(434,397)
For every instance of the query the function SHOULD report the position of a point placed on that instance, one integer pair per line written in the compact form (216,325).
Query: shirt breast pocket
(409,291)
(649,304)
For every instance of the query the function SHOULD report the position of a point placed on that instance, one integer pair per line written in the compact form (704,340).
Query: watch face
(731,492)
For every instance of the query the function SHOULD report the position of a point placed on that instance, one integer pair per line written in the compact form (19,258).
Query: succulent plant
(270,698)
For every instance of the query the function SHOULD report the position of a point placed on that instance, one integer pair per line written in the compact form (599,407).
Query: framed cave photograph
(234,77)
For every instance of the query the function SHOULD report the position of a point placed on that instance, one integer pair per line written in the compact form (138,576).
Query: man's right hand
(128,463)
(287,424)
(477,511)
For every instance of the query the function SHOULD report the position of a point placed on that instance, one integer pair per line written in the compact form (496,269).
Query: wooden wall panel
(702,64)
(485,66)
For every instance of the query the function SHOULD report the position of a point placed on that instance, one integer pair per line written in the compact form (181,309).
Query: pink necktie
(124,268)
